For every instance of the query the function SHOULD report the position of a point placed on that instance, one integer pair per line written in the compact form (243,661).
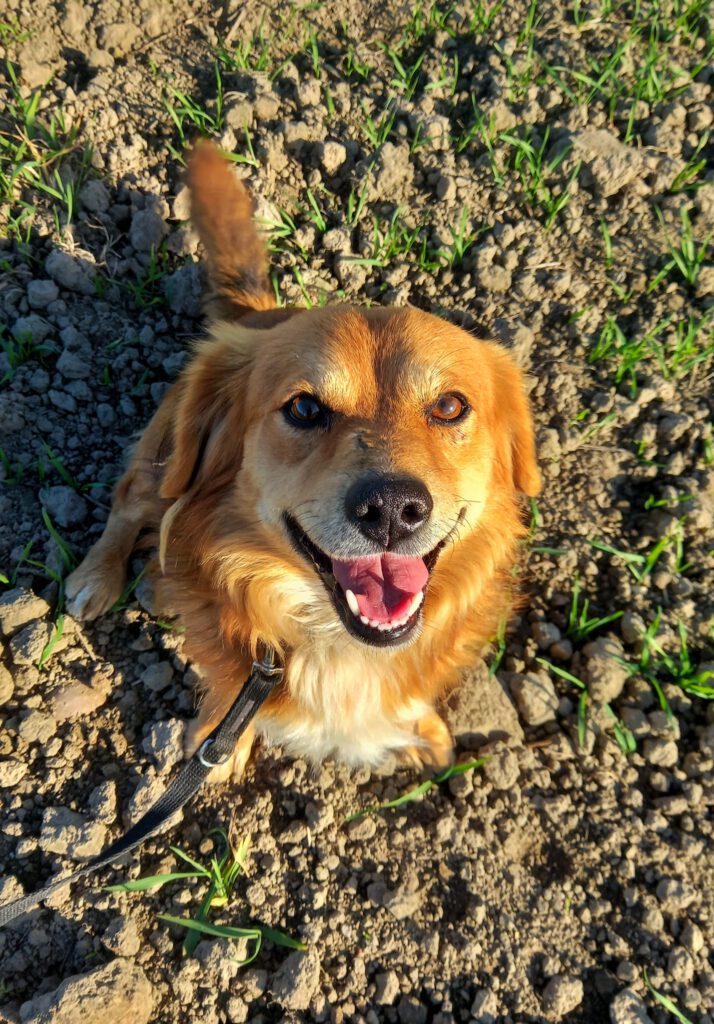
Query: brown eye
(306,411)
(449,408)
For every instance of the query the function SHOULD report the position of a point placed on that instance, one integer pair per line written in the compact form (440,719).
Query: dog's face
(358,448)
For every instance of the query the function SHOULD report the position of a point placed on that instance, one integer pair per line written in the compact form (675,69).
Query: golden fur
(218,466)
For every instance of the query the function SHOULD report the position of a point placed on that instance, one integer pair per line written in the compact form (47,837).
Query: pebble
(31,328)
(660,752)
(674,895)
(332,155)
(65,506)
(147,230)
(502,769)
(73,366)
(545,634)
(75,700)
(628,1008)
(605,674)
(41,292)
(562,994)
(147,792)
(117,991)
(157,677)
(535,697)
(36,727)
(411,1011)
(680,966)
(165,742)
(692,937)
(485,1007)
(297,981)
(121,937)
(18,607)
(71,272)
(94,196)
(481,711)
(12,771)
(70,834)
(386,988)
(7,685)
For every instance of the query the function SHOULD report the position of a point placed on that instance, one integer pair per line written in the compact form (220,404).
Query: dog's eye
(306,411)
(448,408)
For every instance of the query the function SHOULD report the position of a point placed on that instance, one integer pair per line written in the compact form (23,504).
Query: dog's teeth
(416,601)
(352,602)
(384,626)
(374,623)
(364,619)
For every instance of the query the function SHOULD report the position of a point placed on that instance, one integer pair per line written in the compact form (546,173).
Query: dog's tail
(222,213)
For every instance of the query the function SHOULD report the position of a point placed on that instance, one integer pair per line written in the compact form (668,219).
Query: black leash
(214,750)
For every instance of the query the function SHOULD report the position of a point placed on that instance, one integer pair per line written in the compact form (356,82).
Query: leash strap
(215,750)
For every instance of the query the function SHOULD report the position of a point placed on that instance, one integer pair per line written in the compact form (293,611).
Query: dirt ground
(540,173)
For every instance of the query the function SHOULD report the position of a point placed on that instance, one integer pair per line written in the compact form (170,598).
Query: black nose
(387,509)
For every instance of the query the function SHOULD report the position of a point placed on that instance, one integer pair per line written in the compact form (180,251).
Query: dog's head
(337,457)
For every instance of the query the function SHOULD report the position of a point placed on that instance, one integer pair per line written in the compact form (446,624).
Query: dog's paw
(94,587)
(435,748)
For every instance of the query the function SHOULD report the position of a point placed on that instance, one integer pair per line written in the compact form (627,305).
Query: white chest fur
(339,691)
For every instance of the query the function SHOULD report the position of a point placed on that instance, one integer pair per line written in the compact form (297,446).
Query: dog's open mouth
(379,598)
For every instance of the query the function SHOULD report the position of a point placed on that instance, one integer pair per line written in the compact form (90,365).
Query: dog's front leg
(435,747)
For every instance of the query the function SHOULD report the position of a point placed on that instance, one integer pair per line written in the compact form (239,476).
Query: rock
(606,675)
(147,230)
(628,1008)
(386,988)
(562,994)
(120,37)
(40,293)
(480,711)
(184,291)
(411,1011)
(661,752)
(94,196)
(632,627)
(484,1008)
(692,937)
(7,685)
(297,980)
(238,115)
(545,634)
(535,697)
(165,743)
(31,328)
(502,769)
(266,106)
(674,895)
(73,366)
(157,677)
(391,174)
(103,802)
(680,966)
(607,163)
(36,727)
(18,607)
(28,645)
(332,155)
(69,834)
(65,506)
(147,792)
(117,991)
(121,937)
(221,959)
(71,272)
(401,904)
(75,700)
(445,188)
(11,771)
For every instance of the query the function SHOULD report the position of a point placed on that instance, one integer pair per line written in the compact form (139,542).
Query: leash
(215,750)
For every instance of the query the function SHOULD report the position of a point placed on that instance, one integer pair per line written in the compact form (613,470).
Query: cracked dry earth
(379,143)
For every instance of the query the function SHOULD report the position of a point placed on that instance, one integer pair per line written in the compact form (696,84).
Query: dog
(344,484)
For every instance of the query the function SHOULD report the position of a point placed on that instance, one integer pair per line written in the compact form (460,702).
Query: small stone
(445,188)
(632,627)
(73,366)
(545,634)
(149,789)
(628,1008)
(411,1011)
(69,834)
(165,743)
(27,646)
(94,196)
(680,966)
(7,685)
(36,727)
(332,156)
(120,37)
(65,506)
(402,904)
(18,607)
(75,700)
(11,771)
(480,710)
(674,895)
(184,290)
(692,937)
(117,991)
(607,163)
(238,115)
(660,752)
(297,980)
(484,1008)
(535,697)
(502,769)
(319,814)
(387,988)
(606,675)
(71,272)
(266,106)
(121,937)
(40,293)
(31,328)
(147,230)
(157,677)
(562,994)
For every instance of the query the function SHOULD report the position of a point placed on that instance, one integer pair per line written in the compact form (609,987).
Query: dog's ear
(222,213)
(208,420)
(517,424)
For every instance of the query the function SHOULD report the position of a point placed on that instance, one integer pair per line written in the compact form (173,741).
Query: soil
(542,886)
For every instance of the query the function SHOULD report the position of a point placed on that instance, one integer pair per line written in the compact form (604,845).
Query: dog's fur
(219,466)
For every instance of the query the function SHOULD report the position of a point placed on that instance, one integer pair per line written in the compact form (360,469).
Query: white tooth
(384,626)
(374,623)
(352,602)
(416,601)
(364,619)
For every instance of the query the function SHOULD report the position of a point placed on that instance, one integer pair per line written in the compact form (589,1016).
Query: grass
(669,1004)
(220,876)
(686,255)
(642,565)
(622,735)
(20,350)
(421,790)
(580,624)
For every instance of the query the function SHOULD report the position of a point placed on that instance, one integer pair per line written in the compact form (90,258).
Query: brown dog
(342,484)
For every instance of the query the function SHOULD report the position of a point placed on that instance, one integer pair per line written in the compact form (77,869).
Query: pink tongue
(384,585)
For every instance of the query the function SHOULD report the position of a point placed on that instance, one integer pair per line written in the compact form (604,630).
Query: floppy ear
(222,213)
(208,419)
(517,423)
